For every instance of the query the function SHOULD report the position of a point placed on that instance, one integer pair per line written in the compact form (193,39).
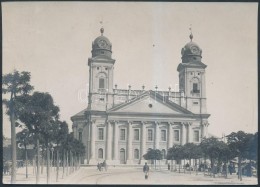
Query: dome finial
(102,28)
(191,35)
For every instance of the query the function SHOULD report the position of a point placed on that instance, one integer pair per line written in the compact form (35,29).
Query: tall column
(184,134)
(143,143)
(202,130)
(190,132)
(129,144)
(206,129)
(169,140)
(93,139)
(115,155)
(109,142)
(157,135)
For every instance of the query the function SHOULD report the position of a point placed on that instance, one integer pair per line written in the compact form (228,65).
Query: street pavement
(129,175)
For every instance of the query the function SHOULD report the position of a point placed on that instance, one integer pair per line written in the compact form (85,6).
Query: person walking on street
(146,170)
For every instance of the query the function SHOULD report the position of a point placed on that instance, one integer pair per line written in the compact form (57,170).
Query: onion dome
(101,47)
(191,52)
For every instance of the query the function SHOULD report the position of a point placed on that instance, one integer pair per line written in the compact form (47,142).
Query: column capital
(186,123)
(144,122)
(205,123)
(110,121)
(93,121)
(156,122)
(130,122)
(170,123)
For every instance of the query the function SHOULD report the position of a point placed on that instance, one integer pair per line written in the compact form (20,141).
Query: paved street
(130,175)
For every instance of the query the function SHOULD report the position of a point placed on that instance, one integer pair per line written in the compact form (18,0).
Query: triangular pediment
(149,103)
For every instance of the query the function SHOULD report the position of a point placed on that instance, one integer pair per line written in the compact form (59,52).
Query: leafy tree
(15,84)
(25,138)
(239,144)
(190,152)
(153,154)
(213,149)
(176,153)
(39,115)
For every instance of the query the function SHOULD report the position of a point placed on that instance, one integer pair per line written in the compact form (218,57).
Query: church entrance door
(122,156)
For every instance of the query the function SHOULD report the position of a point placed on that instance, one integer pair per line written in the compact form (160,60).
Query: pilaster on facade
(129,144)
(115,142)
(170,140)
(184,133)
(92,159)
(143,141)
(190,132)
(109,141)
(157,135)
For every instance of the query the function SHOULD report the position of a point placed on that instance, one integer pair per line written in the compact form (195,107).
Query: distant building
(119,125)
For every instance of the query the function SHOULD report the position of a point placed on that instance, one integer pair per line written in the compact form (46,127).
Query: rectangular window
(101,83)
(122,134)
(176,135)
(150,135)
(195,103)
(196,136)
(101,133)
(195,88)
(163,135)
(80,136)
(136,134)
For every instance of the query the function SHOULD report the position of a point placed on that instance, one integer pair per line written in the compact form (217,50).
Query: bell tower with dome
(192,77)
(101,67)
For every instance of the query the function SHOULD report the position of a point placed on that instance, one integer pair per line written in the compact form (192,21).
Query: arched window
(100,153)
(195,85)
(136,154)
(163,154)
(101,83)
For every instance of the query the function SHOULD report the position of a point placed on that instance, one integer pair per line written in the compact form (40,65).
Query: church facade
(120,125)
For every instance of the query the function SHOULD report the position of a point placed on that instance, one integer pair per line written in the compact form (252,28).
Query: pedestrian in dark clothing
(230,169)
(169,167)
(146,170)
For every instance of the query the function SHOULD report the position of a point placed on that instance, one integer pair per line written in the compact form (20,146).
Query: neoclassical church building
(120,125)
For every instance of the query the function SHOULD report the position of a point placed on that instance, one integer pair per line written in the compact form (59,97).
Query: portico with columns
(121,125)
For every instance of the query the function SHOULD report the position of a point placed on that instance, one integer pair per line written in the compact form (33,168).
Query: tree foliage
(153,154)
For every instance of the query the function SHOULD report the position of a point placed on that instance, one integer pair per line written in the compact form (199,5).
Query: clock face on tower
(102,43)
(195,50)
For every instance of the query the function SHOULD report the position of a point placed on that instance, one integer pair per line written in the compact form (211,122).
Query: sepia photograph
(139,93)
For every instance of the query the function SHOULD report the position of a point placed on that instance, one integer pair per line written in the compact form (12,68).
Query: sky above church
(52,40)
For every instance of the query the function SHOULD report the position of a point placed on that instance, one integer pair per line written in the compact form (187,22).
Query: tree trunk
(190,165)
(63,163)
(42,162)
(38,162)
(48,165)
(204,166)
(239,169)
(26,162)
(67,163)
(34,165)
(196,166)
(58,164)
(13,145)
(180,167)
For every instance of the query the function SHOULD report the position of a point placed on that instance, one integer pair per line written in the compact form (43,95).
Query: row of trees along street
(38,117)
(239,145)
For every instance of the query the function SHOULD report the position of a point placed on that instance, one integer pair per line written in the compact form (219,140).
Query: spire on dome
(102,31)
(102,28)
(191,35)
